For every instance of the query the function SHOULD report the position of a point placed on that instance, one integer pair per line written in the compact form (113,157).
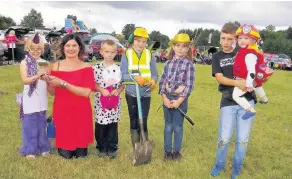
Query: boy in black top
(230,112)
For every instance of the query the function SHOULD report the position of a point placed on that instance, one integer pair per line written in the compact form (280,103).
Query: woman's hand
(54,81)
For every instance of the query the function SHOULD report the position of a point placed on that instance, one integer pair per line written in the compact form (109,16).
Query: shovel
(143,150)
(184,114)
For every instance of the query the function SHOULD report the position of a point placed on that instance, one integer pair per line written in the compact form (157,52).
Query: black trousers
(68,154)
(133,111)
(106,137)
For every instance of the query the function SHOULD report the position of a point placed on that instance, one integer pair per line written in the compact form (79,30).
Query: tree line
(275,41)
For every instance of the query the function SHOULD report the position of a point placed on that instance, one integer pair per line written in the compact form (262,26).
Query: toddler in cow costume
(107,100)
(249,65)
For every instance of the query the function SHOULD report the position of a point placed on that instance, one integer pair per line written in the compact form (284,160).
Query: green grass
(269,153)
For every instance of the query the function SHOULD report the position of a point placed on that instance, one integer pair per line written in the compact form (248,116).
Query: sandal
(30,156)
(45,154)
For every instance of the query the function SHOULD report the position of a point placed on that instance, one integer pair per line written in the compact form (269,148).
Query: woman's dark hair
(67,38)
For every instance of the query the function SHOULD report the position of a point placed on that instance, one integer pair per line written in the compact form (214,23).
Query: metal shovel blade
(142,152)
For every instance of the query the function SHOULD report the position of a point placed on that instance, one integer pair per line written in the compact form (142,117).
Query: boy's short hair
(229,28)
(108,42)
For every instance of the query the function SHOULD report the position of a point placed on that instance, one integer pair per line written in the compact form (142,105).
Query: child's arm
(189,86)
(176,103)
(166,101)
(118,91)
(103,91)
(153,68)
(163,78)
(189,81)
(23,73)
(124,69)
(250,61)
(51,90)
(121,89)
(98,88)
(220,78)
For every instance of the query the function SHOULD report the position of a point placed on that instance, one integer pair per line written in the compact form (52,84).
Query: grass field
(269,154)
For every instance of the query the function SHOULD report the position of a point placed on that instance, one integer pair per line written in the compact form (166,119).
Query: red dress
(72,114)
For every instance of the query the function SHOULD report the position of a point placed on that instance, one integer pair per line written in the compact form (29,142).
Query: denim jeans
(174,121)
(230,116)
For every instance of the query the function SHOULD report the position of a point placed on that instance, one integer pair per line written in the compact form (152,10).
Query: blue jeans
(174,121)
(230,116)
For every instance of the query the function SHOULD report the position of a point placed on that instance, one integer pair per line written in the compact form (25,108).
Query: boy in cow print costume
(107,100)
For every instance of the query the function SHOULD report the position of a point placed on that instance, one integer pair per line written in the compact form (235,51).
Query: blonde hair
(189,53)
(12,32)
(30,44)
(108,42)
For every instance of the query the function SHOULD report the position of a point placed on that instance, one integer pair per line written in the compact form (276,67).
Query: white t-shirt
(250,61)
(38,101)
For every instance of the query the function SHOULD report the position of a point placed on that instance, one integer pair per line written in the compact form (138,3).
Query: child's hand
(167,103)
(41,72)
(115,93)
(241,84)
(249,89)
(45,77)
(105,92)
(140,80)
(47,67)
(153,85)
(175,104)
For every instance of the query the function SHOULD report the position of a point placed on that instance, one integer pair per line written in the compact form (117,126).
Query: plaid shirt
(178,72)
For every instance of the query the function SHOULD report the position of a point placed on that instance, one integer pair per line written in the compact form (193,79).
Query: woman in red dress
(71,81)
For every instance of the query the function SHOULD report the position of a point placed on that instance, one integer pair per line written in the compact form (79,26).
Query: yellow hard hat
(248,30)
(181,38)
(141,32)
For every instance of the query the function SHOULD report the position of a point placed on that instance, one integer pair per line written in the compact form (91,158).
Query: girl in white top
(34,100)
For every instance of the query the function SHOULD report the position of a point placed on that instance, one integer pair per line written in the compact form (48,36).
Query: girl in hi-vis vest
(139,60)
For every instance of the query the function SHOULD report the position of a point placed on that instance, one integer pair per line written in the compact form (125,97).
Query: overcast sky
(167,17)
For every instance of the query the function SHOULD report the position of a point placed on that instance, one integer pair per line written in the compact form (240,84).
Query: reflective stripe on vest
(142,64)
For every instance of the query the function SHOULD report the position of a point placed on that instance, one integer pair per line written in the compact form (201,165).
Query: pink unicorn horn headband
(36,38)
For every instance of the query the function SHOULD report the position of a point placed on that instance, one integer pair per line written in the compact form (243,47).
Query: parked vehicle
(88,52)
(2,49)
(3,40)
(95,44)
(285,61)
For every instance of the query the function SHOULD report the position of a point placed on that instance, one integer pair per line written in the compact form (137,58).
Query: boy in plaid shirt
(175,86)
